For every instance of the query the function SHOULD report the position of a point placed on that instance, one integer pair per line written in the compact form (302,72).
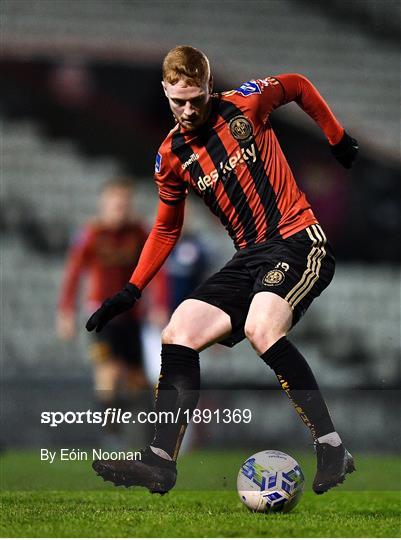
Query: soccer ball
(270,481)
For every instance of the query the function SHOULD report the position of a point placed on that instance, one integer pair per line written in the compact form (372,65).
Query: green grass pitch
(66,499)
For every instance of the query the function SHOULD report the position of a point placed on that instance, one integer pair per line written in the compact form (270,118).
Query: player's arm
(160,242)
(76,264)
(295,87)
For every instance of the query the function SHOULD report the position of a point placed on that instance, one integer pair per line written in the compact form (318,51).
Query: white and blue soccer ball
(270,481)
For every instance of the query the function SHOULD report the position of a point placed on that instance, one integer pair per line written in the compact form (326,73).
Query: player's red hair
(186,62)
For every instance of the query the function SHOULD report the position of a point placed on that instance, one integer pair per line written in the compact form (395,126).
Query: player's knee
(179,336)
(168,334)
(262,338)
(254,334)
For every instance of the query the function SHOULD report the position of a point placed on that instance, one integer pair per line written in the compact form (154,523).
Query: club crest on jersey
(241,128)
(248,88)
(273,278)
(158,162)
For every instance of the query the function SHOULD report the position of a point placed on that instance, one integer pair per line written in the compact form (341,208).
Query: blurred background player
(104,251)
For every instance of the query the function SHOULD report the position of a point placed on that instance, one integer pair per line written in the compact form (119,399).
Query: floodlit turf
(193,513)
(68,500)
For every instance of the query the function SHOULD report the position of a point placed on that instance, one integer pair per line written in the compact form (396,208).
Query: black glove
(345,151)
(120,302)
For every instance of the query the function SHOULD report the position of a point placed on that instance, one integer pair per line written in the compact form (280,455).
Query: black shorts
(119,339)
(298,269)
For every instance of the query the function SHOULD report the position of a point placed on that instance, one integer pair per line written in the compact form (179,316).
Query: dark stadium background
(81,100)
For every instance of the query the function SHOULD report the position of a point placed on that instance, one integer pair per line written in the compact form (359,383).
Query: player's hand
(346,150)
(120,302)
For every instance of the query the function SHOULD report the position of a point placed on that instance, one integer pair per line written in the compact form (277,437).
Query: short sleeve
(172,188)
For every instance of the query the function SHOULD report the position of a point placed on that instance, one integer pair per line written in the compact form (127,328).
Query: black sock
(298,382)
(178,390)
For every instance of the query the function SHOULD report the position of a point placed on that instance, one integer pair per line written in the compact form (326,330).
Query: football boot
(333,463)
(158,475)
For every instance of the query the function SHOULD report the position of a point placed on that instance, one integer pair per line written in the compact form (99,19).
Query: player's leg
(196,324)
(267,325)
(128,346)
(284,292)
(268,322)
(116,353)
(215,312)
(134,387)
(193,326)
(107,372)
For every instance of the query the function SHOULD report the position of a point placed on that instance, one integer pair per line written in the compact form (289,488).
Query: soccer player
(105,251)
(223,147)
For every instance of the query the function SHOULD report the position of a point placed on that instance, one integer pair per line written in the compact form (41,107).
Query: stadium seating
(357,73)
(350,335)
(50,178)
(54,185)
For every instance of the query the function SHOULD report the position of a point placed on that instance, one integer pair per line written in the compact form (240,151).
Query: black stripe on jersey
(233,189)
(263,186)
(184,152)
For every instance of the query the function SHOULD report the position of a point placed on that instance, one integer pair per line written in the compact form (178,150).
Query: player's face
(116,206)
(189,104)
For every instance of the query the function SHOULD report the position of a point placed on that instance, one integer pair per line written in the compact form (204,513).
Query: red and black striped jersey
(106,255)
(234,162)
